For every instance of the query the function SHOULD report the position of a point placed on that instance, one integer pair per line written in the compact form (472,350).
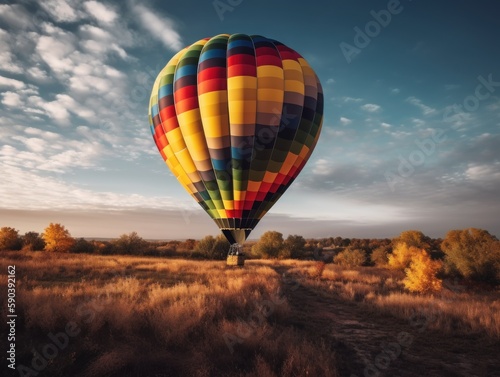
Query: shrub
(33,242)
(82,246)
(401,256)
(472,253)
(413,238)
(213,247)
(421,275)
(9,239)
(270,245)
(293,247)
(380,257)
(350,258)
(130,243)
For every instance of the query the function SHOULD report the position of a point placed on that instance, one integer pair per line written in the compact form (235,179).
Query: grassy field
(83,315)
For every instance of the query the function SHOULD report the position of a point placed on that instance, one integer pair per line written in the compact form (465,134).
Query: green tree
(350,258)
(57,238)
(213,247)
(293,247)
(130,243)
(9,239)
(473,253)
(270,245)
(33,242)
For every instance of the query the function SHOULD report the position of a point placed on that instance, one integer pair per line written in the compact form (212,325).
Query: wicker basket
(235,260)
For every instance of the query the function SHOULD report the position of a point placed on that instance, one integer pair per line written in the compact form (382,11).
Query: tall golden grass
(452,310)
(144,316)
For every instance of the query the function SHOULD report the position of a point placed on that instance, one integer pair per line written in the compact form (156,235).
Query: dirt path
(359,338)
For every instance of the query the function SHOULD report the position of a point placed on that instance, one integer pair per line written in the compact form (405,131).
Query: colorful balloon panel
(235,118)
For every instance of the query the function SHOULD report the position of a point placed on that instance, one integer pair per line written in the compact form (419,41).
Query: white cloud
(61,11)
(38,74)
(322,167)
(418,122)
(330,81)
(426,110)
(395,91)
(160,28)
(12,83)
(23,186)
(345,121)
(100,11)
(15,16)
(351,99)
(11,99)
(7,59)
(386,125)
(483,172)
(371,107)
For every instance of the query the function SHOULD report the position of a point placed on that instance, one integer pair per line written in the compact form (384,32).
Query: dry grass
(382,290)
(144,316)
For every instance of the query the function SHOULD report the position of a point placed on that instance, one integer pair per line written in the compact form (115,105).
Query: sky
(410,134)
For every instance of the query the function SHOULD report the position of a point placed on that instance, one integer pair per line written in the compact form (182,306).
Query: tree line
(472,254)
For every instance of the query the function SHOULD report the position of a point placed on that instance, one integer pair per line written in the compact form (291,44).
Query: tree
(213,247)
(421,274)
(293,246)
(9,239)
(33,242)
(380,257)
(401,256)
(57,238)
(413,238)
(82,246)
(269,246)
(130,243)
(472,253)
(350,258)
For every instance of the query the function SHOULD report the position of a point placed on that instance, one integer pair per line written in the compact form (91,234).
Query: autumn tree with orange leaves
(57,238)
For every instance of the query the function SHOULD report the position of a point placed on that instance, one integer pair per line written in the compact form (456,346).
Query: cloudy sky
(411,130)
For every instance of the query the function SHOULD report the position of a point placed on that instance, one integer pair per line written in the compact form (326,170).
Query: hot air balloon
(236,117)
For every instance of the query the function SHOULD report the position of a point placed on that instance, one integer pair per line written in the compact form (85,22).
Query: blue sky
(411,127)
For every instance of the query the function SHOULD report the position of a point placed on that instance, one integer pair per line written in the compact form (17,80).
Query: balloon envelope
(236,117)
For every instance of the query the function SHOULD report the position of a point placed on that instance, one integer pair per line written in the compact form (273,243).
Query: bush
(212,247)
(472,253)
(401,256)
(130,244)
(270,245)
(57,238)
(33,242)
(9,239)
(380,257)
(413,238)
(350,258)
(421,275)
(82,246)
(293,247)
